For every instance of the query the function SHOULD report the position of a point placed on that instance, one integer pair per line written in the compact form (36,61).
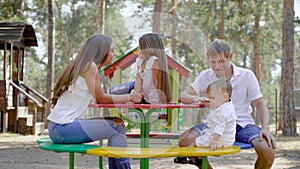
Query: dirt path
(22,152)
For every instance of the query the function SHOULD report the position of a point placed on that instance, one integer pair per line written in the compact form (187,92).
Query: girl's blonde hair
(151,44)
(95,49)
(223,84)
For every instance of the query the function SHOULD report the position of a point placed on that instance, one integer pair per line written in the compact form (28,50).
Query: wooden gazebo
(22,108)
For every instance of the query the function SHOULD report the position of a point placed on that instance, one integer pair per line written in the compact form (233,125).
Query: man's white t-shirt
(245,88)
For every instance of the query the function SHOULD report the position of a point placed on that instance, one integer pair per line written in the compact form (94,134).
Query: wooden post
(13,115)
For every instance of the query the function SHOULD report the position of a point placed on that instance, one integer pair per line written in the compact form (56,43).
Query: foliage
(197,22)
(34,72)
(10,10)
(239,18)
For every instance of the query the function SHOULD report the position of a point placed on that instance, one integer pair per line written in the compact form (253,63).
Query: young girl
(78,86)
(152,79)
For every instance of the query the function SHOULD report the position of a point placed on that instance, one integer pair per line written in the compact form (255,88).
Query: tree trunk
(255,40)
(287,109)
(173,41)
(51,43)
(256,50)
(103,79)
(156,16)
(102,4)
(102,16)
(222,25)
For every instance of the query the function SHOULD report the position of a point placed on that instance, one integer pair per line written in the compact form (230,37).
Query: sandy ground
(22,152)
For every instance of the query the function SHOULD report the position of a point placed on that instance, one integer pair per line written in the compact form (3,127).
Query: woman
(78,86)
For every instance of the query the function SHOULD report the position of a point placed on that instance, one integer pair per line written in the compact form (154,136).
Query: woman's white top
(222,121)
(73,103)
(148,89)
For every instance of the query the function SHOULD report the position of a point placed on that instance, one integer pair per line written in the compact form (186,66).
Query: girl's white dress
(148,89)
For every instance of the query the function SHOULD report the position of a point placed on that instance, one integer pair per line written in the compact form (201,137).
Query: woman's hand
(136,96)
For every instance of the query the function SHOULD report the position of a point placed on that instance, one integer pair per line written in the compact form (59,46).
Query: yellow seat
(132,152)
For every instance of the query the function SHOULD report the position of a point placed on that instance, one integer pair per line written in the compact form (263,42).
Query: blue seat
(243,145)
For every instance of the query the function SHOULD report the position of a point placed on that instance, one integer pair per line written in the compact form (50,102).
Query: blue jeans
(84,131)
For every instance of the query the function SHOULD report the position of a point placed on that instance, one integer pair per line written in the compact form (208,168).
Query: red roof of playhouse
(129,58)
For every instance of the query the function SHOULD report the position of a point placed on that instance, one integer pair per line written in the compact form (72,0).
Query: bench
(130,152)
(47,144)
(183,150)
(177,135)
(133,152)
(157,135)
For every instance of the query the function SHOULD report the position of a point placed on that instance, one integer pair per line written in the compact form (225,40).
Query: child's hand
(214,144)
(136,96)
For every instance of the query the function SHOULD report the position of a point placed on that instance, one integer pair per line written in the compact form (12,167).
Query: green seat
(74,148)
(47,144)
(42,140)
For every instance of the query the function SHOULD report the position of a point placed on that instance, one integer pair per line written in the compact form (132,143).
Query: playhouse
(176,70)
(22,108)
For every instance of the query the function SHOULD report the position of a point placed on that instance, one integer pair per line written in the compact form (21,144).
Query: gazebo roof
(17,32)
(129,58)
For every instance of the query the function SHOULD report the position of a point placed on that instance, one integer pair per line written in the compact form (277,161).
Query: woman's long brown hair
(151,44)
(95,50)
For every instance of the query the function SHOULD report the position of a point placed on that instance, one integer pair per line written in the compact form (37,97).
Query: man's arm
(263,113)
(189,96)
(264,118)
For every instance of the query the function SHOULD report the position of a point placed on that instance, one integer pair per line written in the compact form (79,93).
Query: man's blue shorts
(245,135)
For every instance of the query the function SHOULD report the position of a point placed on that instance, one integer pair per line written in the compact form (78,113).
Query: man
(246,90)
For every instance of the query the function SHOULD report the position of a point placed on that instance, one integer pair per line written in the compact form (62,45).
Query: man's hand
(265,133)
(201,99)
